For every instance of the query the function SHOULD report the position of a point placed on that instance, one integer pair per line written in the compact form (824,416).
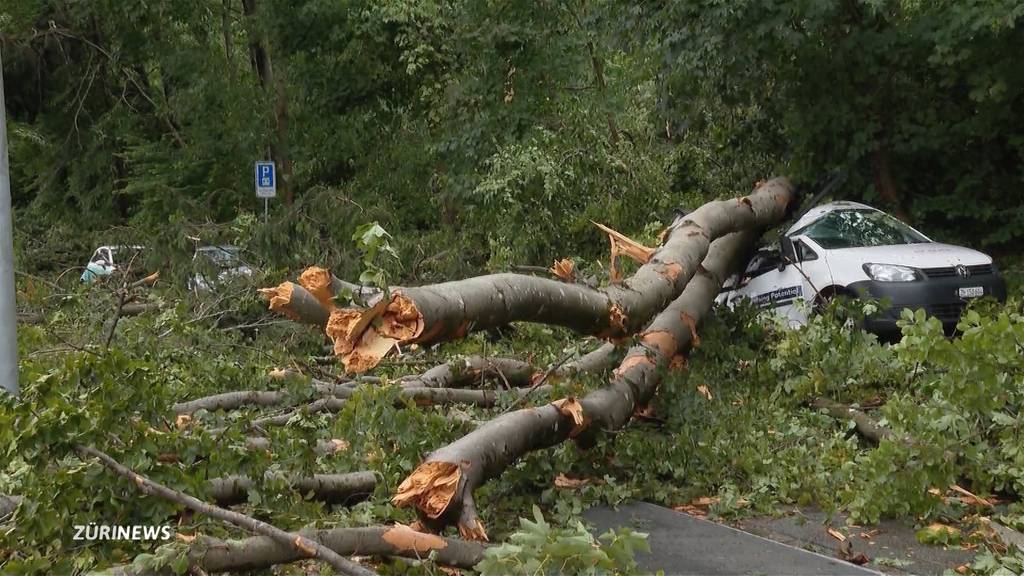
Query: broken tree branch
(330,488)
(450,310)
(420,396)
(213,555)
(441,488)
(297,303)
(308,548)
(866,425)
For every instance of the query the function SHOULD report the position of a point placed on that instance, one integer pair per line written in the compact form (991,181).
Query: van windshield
(860,228)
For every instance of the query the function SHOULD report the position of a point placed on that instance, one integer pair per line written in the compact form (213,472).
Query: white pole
(8,311)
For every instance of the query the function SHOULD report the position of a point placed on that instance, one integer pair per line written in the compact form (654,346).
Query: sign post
(8,309)
(266,184)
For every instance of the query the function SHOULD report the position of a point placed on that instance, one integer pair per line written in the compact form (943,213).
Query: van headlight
(891,273)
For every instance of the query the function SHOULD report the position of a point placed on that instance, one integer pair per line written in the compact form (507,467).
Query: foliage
(374,242)
(539,548)
(912,99)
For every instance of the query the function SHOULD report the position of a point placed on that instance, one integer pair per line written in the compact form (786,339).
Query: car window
(805,253)
(860,228)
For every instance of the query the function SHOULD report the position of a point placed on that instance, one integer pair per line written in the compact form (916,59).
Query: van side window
(804,252)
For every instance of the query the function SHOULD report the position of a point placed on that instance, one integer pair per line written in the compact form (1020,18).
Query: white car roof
(818,211)
(121,247)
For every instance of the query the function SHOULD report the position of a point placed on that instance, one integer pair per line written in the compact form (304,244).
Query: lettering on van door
(780,297)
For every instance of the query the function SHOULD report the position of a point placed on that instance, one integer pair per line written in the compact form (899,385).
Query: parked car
(215,265)
(107,259)
(853,250)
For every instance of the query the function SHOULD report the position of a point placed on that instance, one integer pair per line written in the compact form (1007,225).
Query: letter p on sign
(266,180)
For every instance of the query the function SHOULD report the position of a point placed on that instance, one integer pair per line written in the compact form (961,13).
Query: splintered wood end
(360,343)
(617,317)
(473,529)
(302,545)
(340,327)
(279,299)
(678,363)
(318,282)
(571,407)
(661,340)
(430,487)
(564,269)
(405,538)
(368,351)
(401,319)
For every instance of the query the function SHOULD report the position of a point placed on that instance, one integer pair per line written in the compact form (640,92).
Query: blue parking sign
(266,180)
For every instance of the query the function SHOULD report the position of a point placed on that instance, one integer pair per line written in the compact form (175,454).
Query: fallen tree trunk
(329,488)
(514,373)
(213,555)
(508,371)
(421,396)
(441,488)
(232,401)
(452,309)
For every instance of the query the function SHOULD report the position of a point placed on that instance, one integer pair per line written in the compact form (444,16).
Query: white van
(850,249)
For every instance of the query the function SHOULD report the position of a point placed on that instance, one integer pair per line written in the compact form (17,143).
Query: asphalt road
(683,545)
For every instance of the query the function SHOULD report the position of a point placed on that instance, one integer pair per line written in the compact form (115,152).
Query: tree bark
(213,555)
(421,396)
(885,184)
(232,401)
(329,488)
(441,488)
(450,310)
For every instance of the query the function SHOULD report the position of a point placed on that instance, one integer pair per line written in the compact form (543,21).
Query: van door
(791,291)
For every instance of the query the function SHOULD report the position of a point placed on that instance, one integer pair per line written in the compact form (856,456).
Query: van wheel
(832,294)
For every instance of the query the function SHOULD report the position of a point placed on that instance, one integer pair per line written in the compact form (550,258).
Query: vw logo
(962,271)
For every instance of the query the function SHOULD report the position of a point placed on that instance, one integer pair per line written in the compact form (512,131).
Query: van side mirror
(787,252)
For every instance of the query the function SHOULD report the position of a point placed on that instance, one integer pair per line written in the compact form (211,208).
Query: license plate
(971,292)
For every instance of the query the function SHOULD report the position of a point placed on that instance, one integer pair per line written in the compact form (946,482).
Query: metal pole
(266,209)
(8,311)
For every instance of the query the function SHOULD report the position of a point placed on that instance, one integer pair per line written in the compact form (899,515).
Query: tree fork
(441,488)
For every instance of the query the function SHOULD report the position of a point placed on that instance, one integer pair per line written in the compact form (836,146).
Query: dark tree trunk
(274,87)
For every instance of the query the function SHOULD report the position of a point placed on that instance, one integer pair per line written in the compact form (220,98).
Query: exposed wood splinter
(319,282)
(564,269)
(622,245)
(430,488)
